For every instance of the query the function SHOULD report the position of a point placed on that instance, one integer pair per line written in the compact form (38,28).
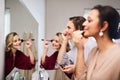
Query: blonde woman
(16,58)
(49,62)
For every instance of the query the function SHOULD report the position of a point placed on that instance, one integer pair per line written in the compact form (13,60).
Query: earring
(100,33)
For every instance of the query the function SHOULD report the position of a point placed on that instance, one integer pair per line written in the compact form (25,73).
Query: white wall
(21,19)
(59,11)
(2,33)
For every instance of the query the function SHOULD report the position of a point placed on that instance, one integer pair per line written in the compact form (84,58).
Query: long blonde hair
(8,40)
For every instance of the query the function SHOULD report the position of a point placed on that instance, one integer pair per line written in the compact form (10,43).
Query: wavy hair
(8,41)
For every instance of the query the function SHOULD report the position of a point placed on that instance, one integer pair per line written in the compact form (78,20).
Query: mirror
(19,19)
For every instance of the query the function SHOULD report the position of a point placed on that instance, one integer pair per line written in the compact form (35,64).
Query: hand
(65,35)
(65,39)
(68,69)
(28,43)
(77,38)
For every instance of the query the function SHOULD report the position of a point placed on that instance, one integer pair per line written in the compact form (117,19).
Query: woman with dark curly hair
(103,62)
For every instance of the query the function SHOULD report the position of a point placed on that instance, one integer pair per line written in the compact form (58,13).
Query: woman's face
(16,43)
(92,24)
(56,43)
(70,29)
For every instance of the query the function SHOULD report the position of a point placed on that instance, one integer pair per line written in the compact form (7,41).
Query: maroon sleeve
(9,63)
(50,61)
(23,62)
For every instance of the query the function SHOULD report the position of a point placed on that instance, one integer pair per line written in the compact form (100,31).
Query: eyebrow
(55,40)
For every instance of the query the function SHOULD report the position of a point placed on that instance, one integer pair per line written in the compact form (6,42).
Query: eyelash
(55,41)
(89,20)
(68,27)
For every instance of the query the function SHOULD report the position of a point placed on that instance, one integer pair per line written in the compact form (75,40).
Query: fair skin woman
(17,45)
(102,24)
(55,45)
(49,62)
(16,58)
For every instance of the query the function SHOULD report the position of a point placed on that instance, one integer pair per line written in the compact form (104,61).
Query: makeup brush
(47,40)
(22,40)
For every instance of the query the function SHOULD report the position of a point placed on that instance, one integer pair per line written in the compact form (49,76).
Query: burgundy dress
(50,61)
(20,61)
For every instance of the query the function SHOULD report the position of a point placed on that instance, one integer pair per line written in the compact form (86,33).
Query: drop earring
(100,33)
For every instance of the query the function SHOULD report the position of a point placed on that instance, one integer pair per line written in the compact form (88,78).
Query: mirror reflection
(18,19)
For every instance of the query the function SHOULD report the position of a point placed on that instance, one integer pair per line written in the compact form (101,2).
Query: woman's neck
(104,43)
(14,51)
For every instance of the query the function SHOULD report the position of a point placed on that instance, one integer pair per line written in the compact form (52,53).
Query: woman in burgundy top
(14,57)
(48,62)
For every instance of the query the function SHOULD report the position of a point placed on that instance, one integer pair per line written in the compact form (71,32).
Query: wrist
(80,47)
(65,41)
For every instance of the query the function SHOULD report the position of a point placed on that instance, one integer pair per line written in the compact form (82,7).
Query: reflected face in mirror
(25,24)
(16,43)
(56,43)
(13,42)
